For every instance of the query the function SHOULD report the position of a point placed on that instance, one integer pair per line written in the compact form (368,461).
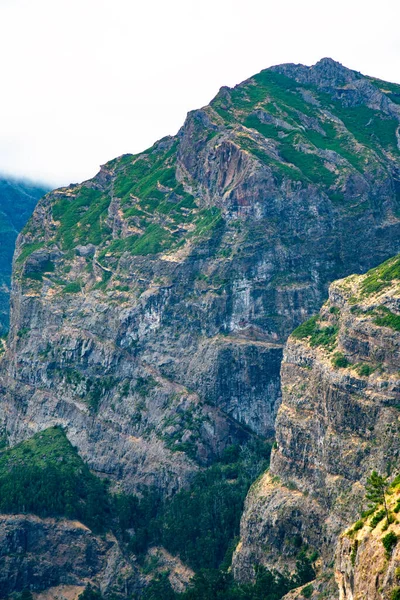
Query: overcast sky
(83,81)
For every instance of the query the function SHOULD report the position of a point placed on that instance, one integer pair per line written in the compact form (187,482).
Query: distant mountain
(17,200)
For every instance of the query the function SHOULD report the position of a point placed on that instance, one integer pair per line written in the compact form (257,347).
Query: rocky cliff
(367,565)
(52,555)
(339,420)
(150,304)
(17,201)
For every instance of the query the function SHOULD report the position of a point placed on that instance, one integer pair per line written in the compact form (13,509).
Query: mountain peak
(326,73)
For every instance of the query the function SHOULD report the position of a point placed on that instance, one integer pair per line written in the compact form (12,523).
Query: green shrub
(367,513)
(72,288)
(377,518)
(359,525)
(389,541)
(307,591)
(144,385)
(339,360)
(353,555)
(325,337)
(364,369)
(318,336)
(90,593)
(388,319)
(306,329)
(395,593)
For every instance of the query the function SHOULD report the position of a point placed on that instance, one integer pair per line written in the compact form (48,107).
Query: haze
(84,81)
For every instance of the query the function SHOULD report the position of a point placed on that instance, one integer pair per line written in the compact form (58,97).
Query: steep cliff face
(150,304)
(29,546)
(367,565)
(17,201)
(339,420)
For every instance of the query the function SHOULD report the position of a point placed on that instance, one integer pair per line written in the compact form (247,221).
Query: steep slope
(339,420)
(367,565)
(17,201)
(151,304)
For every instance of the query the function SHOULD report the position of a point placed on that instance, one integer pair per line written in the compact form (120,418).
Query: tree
(160,587)
(376,489)
(90,593)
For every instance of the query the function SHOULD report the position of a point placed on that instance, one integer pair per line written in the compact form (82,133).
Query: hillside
(17,201)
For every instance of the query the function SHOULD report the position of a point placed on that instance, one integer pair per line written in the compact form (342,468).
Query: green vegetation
(387,318)
(44,475)
(358,525)
(392,90)
(28,249)
(210,508)
(306,329)
(153,202)
(154,240)
(379,278)
(144,385)
(96,388)
(318,336)
(307,591)
(377,518)
(219,585)
(364,369)
(24,595)
(395,593)
(311,165)
(81,218)
(72,288)
(370,127)
(282,97)
(339,361)
(353,555)
(389,541)
(376,489)
(90,593)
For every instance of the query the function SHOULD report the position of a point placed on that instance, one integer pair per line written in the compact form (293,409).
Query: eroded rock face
(150,304)
(364,568)
(40,554)
(338,421)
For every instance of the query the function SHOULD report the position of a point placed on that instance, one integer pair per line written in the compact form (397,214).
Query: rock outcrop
(339,420)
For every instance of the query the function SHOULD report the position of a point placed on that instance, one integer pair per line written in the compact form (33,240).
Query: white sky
(83,81)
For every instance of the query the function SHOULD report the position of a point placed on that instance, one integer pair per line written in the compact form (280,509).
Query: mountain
(17,201)
(151,304)
(338,421)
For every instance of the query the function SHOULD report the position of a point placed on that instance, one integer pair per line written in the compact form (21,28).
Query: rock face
(47,553)
(339,420)
(17,201)
(364,568)
(150,304)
